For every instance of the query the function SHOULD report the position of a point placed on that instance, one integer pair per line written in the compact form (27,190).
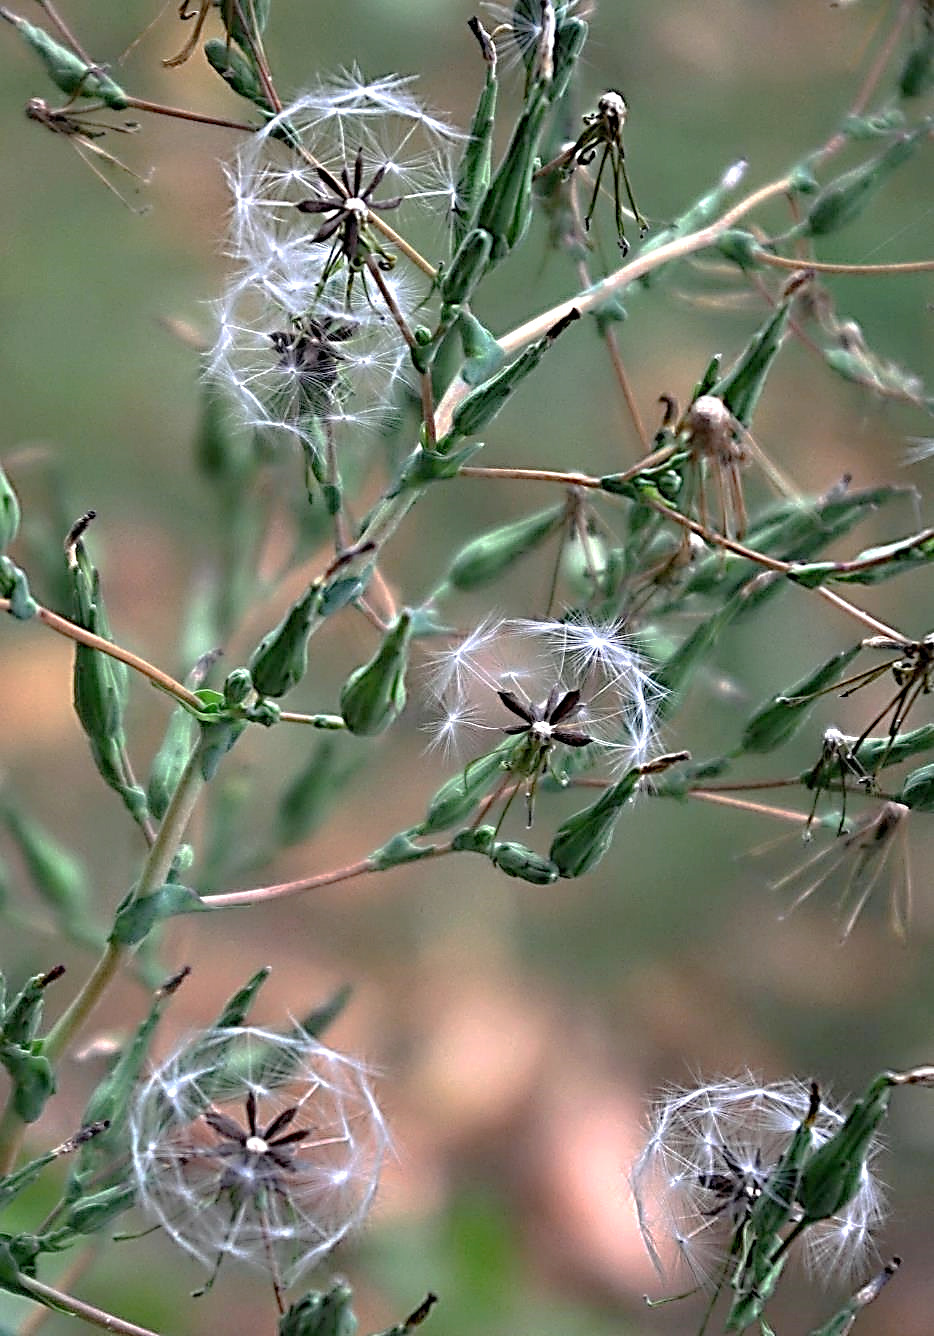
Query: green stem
(67,1303)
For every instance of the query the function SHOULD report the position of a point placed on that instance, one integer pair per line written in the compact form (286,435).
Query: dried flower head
(573,686)
(712,1153)
(258,1147)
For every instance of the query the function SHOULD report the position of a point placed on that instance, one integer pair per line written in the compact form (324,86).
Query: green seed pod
(482,404)
(457,798)
(742,385)
(832,1175)
(874,753)
(780,718)
(473,178)
(66,70)
(506,208)
(470,263)
(280,660)
(570,37)
(9,512)
(582,840)
(918,789)
(844,199)
(474,840)
(489,556)
(518,861)
(374,694)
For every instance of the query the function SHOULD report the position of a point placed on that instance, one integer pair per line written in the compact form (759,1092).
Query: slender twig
(64,31)
(67,1303)
(786,262)
(261,894)
(762,809)
(184,114)
(39,1316)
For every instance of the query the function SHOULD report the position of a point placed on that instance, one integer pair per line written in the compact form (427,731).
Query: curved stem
(72,631)
(183,114)
(261,894)
(67,1303)
(820,267)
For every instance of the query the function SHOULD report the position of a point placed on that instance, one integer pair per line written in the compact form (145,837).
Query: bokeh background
(518,1031)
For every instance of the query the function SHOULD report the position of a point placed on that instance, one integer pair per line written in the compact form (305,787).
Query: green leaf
(781,717)
(137,917)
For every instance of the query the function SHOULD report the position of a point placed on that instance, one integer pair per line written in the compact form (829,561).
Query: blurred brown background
(518,1030)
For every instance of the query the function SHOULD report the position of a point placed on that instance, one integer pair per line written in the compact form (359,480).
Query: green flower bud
(470,263)
(237,686)
(457,798)
(844,199)
(518,861)
(490,555)
(506,209)
(374,694)
(474,840)
(473,178)
(321,1314)
(170,760)
(280,661)
(9,512)
(582,840)
(66,70)
(918,789)
(483,353)
(832,1175)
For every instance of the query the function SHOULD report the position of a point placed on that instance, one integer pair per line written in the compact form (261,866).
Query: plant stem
(183,114)
(67,1303)
(902,267)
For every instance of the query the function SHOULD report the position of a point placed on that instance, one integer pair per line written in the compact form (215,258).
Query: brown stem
(67,1303)
(786,262)
(183,114)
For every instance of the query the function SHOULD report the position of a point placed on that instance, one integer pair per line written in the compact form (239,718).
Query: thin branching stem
(67,1303)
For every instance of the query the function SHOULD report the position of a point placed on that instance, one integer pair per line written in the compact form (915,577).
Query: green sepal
(400,849)
(137,916)
(458,796)
(89,1215)
(846,197)
(471,261)
(237,686)
(918,789)
(780,718)
(321,1313)
(832,1175)
(24,1177)
(31,1077)
(425,465)
(66,70)
(340,591)
(12,1265)
(15,587)
(374,695)
(482,404)
(237,71)
(742,385)
(22,1016)
(516,860)
(582,840)
(235,1009)
(9,512)
(280,660)
(489,556)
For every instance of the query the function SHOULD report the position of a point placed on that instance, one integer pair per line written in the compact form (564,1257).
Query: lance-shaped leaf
(781,717)
(138,915)
(703,211)
(846,197)
(676,671)
(491,555)
(280,660)
(517,860)
(170,760)
(66,70)
(374,694)
(306,800)
(57,875)
(482,404)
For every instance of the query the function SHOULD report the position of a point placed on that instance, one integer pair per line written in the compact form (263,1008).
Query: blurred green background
(518,1031)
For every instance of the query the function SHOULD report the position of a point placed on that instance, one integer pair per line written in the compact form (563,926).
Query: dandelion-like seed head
(326,129)
(712,1151)
(259,1147)
(539,666)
